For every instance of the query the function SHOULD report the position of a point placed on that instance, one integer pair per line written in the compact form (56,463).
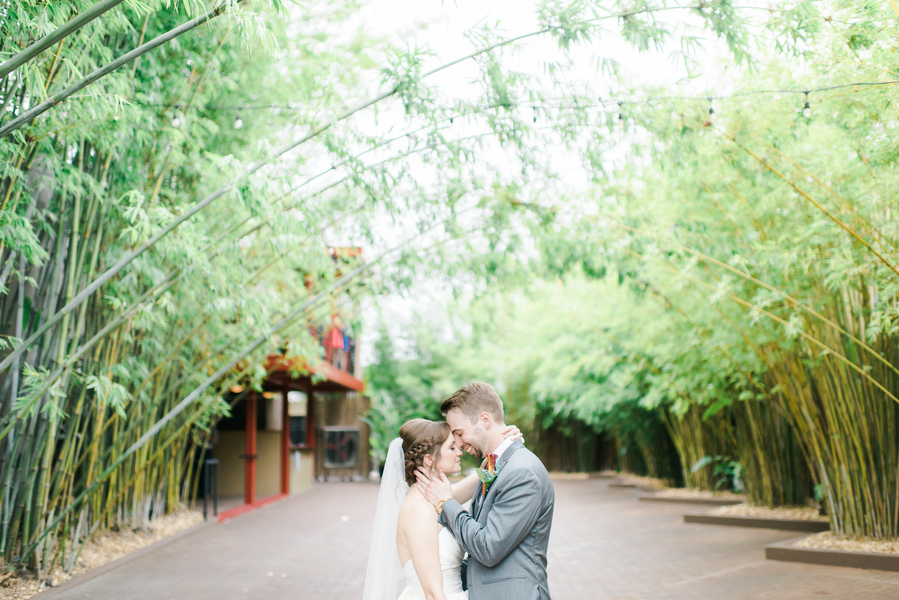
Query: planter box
(758,522)
(700,501)
(785,551)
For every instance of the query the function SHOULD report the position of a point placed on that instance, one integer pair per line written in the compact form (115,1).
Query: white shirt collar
(502,448)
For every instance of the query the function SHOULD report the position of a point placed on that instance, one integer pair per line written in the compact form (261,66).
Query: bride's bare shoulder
(417,512)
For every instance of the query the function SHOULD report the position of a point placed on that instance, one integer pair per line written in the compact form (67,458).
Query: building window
(297,431)
(300,426)
(341,447)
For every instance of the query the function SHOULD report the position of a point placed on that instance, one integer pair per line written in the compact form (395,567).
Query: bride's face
(449,460)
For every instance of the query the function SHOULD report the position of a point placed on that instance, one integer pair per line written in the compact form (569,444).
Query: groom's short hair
(474,399)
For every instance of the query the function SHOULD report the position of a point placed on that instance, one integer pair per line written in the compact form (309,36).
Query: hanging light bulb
(711,112)
(535,113)
(620,115)
(238,123)
(807,109)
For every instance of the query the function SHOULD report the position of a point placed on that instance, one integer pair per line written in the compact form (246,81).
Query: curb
(700,501)
(233,513)
(633,486)
(784,551)
(758,522)
(93,573)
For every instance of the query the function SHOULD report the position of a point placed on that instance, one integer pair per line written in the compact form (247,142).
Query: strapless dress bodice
(451,553)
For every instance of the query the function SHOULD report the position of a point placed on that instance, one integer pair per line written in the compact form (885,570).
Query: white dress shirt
(502,448)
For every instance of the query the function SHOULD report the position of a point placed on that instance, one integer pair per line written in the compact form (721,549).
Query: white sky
(441,26)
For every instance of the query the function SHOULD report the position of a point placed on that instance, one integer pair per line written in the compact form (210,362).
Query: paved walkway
(605,545)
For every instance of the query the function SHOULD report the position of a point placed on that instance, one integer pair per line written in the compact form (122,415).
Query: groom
(507,531)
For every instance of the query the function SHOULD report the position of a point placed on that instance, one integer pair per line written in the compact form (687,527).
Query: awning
(336,380)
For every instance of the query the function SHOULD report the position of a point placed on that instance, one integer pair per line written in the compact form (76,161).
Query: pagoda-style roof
(280,367)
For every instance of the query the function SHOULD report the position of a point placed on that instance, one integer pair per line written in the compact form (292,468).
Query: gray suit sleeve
(512,515)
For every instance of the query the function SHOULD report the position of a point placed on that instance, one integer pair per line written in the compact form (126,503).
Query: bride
(407,537)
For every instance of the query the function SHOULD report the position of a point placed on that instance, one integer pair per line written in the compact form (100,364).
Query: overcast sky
(442,27)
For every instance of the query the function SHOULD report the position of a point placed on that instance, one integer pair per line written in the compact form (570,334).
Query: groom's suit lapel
(476,503)
(479,501)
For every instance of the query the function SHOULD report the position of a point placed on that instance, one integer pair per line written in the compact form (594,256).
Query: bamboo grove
(171,175)
(778,261)
(718,309)
(84,188)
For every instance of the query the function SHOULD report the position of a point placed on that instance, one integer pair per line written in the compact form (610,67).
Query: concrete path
(605,545)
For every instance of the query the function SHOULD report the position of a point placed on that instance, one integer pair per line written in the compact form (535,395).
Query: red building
(304,426)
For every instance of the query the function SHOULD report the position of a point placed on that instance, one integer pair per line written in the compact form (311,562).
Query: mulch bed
(792,513)
(829,541)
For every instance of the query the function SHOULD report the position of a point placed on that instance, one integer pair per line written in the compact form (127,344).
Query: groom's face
(469,436)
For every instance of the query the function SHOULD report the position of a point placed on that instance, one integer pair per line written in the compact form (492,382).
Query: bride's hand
(511,432)
(434,489)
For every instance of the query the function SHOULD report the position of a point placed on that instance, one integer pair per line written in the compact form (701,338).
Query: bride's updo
(421,438)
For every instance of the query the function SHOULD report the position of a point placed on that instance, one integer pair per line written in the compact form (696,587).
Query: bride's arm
(464,490)
(421,536)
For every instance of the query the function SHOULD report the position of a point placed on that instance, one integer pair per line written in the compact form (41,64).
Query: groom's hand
(436,489)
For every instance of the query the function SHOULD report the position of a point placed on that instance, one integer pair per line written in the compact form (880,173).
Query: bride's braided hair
(421,438)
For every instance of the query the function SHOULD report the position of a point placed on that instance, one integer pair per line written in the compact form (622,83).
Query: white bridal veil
(384,570)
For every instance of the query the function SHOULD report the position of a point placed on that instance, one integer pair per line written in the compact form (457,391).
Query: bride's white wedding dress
(450,552)
(384,573)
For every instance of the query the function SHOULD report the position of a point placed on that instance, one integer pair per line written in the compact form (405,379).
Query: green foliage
(726,472)
(735,278)
(399,391)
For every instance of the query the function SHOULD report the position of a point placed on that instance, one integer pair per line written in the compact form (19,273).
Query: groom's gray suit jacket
(507,532)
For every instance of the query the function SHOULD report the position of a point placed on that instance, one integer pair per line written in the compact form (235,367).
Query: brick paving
(605,545)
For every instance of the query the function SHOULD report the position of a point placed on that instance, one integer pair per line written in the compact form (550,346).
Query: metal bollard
(212,464)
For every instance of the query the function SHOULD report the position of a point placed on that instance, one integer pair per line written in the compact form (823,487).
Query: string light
(599,100)
(806,111)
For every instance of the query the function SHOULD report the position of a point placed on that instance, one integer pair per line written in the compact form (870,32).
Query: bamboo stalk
(61,96)
(833,218)
(57,35)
